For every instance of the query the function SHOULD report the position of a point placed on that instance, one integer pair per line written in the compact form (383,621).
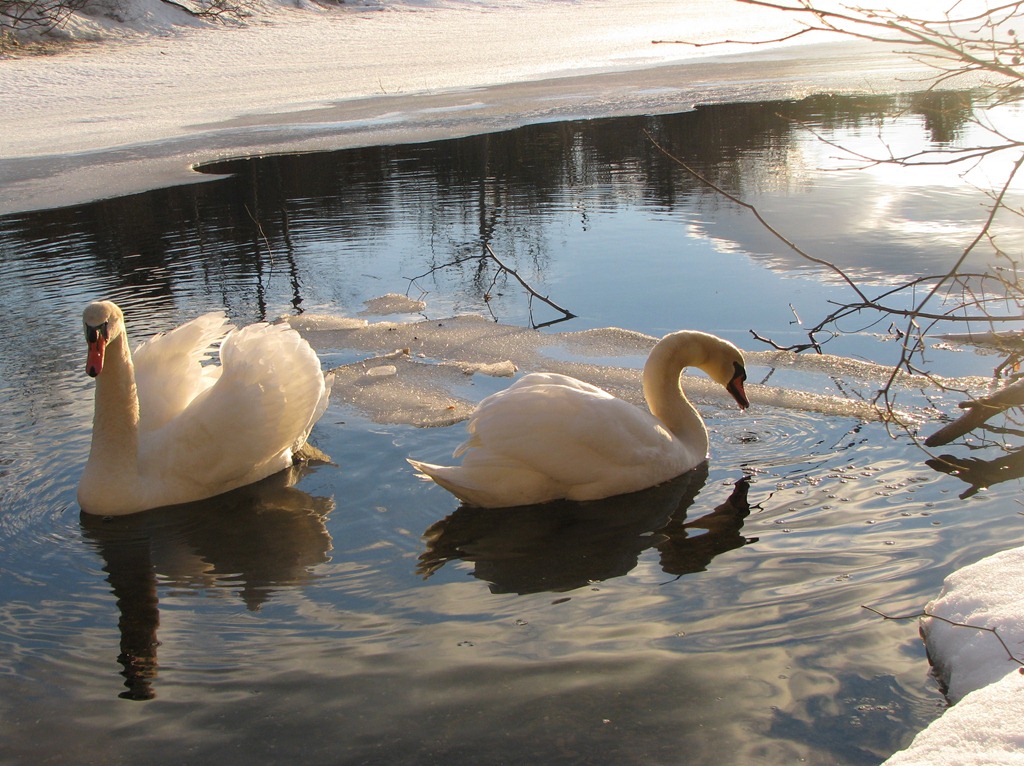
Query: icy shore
(165,92)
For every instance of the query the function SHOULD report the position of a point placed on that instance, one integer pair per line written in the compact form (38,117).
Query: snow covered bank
(988,594)
(138,112)
(983,675)
(982,730)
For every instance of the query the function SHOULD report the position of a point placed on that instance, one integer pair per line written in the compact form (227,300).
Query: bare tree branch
(953,43)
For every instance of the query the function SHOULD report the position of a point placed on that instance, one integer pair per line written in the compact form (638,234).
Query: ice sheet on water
(420,372)
(395,388)
(313,322)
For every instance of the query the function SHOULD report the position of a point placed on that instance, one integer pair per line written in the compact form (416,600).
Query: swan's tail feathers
(498,484)
(444,476)
(427,471)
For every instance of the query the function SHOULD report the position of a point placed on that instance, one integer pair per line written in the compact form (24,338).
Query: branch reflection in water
(980,474)
(256,539)
(563,545)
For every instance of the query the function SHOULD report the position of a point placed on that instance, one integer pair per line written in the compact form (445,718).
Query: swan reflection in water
(254,539)
(563,545)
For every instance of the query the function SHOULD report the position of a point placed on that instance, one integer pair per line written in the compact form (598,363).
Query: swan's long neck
(663,391)
(115,429)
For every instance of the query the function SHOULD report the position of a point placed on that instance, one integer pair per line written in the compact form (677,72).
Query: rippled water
(352,614)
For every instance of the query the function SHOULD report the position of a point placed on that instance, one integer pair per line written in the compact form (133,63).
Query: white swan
(551,437)
(169,429)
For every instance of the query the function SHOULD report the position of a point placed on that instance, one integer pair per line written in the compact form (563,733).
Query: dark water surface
(351,614)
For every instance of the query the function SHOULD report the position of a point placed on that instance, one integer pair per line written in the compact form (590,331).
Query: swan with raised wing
(551,437)
(170,429)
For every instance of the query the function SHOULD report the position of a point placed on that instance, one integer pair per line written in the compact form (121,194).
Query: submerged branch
(566,314)
(978,412)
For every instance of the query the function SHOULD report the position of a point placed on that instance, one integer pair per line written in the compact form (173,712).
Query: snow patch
(983,729)
(988,594)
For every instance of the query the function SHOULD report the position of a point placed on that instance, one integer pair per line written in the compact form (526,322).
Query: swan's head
(103,321)
(724,365)
(720,359)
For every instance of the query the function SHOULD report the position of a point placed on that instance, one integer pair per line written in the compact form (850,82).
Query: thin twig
(924,613)
(263,235)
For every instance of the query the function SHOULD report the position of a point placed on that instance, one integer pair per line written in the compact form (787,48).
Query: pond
(350,613)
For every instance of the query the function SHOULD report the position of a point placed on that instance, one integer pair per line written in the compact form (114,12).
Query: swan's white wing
(169,372)
(549,436)
(245,425)
(573,434)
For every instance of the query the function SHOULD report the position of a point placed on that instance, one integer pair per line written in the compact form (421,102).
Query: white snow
(983,674)
(162,92)
(141,109)
(983,729)
(990,595)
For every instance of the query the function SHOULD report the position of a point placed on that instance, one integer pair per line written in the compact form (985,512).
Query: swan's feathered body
(551,437)
(169,429)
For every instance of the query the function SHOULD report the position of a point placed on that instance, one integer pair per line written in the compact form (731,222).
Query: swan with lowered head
(168,429)
(551,437)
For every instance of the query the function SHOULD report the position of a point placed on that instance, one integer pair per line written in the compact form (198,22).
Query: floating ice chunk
(383,371)
(504,369)
(787,398)
(410,392)
(838,366)
(1002,341)
(608,341)
(392,303)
